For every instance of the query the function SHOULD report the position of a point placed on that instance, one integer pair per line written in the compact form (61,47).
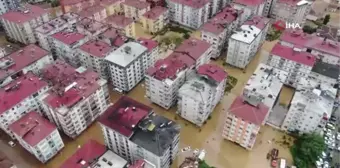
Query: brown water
(220,153)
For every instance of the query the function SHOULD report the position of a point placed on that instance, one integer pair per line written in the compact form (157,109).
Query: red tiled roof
(124,115)
(29,12)
(296,56)
(119,21)
(245,111)
(257,21)
(212,71)
(155,12)
(32,128)
(22,58)
(117,39)
(18,90)
(249,2)
(96,48)
(148,43)
(90,11)
(109,2)
(192,3)
(88,152)
(68,37)
(193,47)
(137,4)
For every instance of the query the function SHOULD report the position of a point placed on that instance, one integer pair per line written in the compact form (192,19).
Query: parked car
(11,143)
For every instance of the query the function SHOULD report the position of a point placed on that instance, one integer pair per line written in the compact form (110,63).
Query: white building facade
(250,8)
(290,11)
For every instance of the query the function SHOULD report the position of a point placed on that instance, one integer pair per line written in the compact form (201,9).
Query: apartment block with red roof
(30,58)
(77,98)
(155,19)
(113,7)
(250,8)
(217,30)
(91,27)
(18,98)
(96,12)
(43,32)
(198,96)
(113,37)
(245,42)
(125,25)
(135,8)
(153,48)
(19,24)
(296,62)
(291,11)
(133,131)
(38,136)
(75,5)
(190,13)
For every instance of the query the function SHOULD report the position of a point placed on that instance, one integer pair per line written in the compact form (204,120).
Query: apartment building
(127,65)
(296,62)
(96,12)
(92,56)
(155,19)
(246,41)
(30,58)
(77,98)
(38,136)
(43,32)
(190,13)
(218,29)
(325,73)
(152,47)
(7,5)
(291,11)
(112,37)
(326,50)
(129,127)
(19,24)
(125,25)
(64,44)
(135,8)
(94,154)
(18,98)
(113,7)
(310,108)
(75,5)
(198,97)
(163,80)
(250,8)
(91,27)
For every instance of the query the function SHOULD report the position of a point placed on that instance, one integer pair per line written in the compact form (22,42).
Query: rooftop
(18,90)
(148,43)
(96,48)
(213,72)
(109,2)
(68,38)
(119,21)
(32,128)
(294,54)
(198,89)
(192,3)
(249,2)
(113,38)
(111,160)
(258,21)
(58,22)
(295,2)
(136,4)
(155,12)
(221,20)
(329,70)
(246,34)
(193,47)
(70,85)
(138,164)
(124,115)
(245,111)
(91,11)
(20,59)
(23,14)
(90,26)
(126,54)
(329,32)
(85,156)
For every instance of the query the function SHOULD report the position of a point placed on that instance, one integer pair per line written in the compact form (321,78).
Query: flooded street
(220,153)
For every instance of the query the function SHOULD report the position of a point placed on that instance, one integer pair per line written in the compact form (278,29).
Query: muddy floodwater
(220,153)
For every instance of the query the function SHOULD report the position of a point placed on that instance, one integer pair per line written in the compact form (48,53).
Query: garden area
(273,34)
(231,83)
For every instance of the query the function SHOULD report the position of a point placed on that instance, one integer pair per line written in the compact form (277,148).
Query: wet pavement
(220,153)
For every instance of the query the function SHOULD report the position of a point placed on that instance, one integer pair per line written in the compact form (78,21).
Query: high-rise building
(291,11)
(38,136)
(134,132)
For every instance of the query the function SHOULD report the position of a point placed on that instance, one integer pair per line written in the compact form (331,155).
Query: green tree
(202,164)
(306,149)
(326,19)
(176,40)
(308,29)
(186,36)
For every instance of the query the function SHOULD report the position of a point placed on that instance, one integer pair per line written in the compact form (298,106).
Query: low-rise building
(19,24)
(18,98)
(133,131)
(38,136)
(28,59)
(190,13)
(127,65)
(77,98)
(250,8)
(113,7)
(310,108)
(43,32)
(246,41)
(94,154)
(155,20)
(75,5)
(296,62)
(124,24)
(163,80)
(325,73)
(198,97)
(152,47)
(218,29)
(135,8)
(91,27)
(97,13)
(112,37)
(291,11)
